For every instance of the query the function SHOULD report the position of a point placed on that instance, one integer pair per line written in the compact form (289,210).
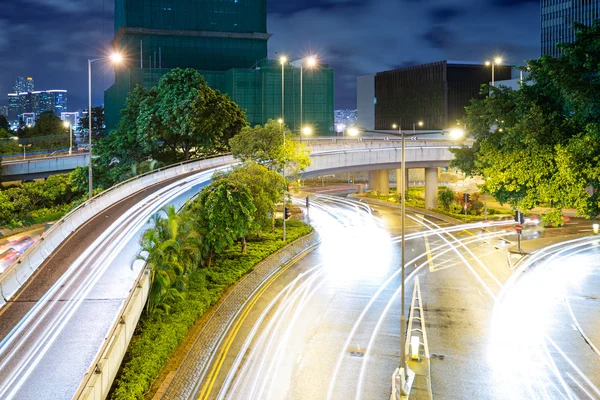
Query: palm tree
(166,250)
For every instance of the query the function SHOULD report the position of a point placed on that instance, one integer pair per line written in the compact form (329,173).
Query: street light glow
(282,60)
(420,123)
(66,124)
(487,63)
(498,60)
(307,130)
(394,126)
(116,58)
(353,131)
(280,120)
(457,133)
(311,61)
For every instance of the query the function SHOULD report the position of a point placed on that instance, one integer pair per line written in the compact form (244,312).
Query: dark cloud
(511,3)
(439,37)
(445,14)
(52,40)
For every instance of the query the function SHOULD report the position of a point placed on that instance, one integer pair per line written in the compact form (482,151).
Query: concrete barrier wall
(380,157)
(42,165)
(20,271)
(98,380)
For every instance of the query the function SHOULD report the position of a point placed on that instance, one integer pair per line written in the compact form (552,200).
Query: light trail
(439,232)
(546,259)
(48,318)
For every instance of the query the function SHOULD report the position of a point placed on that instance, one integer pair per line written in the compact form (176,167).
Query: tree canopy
(264,145)
(541,144)
(180,119)
(225,213)
(265,186)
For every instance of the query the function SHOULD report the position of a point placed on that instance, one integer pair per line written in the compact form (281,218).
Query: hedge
(158,336)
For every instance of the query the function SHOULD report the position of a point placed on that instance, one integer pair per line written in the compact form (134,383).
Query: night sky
(51,40)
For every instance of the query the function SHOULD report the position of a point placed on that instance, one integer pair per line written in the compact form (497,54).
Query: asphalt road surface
(328,328)
(53,329)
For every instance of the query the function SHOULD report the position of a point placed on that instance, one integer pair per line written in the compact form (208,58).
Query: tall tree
(539,144)
(264,145)
(225,212)
(189,117)
(97,123)
(265,186)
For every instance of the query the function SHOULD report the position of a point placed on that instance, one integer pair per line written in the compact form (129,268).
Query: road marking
(428,251)
(206,389)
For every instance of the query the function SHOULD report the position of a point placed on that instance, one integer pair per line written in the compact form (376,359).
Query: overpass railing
(25,266)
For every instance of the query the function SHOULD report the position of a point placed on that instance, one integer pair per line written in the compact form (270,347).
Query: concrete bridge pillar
(383,180)
(373,181)
(431,188)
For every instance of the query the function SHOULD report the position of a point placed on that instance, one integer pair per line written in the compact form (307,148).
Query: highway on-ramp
(52,330)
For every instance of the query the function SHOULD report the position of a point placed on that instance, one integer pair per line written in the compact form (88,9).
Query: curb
(189,376)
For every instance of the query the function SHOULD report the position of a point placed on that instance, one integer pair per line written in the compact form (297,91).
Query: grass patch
(157,336)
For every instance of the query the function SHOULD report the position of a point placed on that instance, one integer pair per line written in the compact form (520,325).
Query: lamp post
(420,123)
(282,61)
(455,134)
(24,146)
(115,58)
(493,63)
(311,62)
(68,125)
(280,120)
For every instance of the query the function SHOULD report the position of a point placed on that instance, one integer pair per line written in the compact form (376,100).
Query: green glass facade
(226,41)
(257,91)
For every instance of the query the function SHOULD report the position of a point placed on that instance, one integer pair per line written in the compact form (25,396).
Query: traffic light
(467,197)
(286,213)
(519,218)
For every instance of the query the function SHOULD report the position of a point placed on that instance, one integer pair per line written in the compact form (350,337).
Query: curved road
(53,329)
(329,327)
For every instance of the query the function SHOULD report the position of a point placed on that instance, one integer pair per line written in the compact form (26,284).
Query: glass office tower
(557,17)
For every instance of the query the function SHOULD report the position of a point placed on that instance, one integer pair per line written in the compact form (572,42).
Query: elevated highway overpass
(69,305)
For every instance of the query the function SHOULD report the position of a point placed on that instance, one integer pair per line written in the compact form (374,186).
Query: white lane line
(572,364)
(581,387)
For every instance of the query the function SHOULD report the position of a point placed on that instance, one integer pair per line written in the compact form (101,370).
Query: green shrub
(553,218)
(158,335)
(446,198)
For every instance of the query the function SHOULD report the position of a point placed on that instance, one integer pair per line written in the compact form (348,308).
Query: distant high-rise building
(557,17)
(34,102)
(23,84)
(226,41)
(13,107)
(4,111)
(435,94)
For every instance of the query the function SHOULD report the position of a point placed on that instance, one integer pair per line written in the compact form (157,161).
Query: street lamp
(24,146)
(311,62)
(280,120)
(67,124)
(283,61)
(493,63)
(115,58)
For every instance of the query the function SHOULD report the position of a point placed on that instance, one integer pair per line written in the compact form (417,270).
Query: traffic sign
(519,229)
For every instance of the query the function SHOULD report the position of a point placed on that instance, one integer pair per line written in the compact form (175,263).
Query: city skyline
(388,35)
